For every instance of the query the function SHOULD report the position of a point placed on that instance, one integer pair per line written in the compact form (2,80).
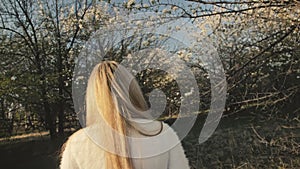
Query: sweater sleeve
(67,160)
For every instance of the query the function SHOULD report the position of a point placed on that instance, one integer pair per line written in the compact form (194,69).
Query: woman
(119,134)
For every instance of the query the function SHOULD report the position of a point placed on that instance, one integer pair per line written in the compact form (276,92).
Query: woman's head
(114,94)
(111,88)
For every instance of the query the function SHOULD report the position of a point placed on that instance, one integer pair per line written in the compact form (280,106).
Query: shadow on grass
(29,153)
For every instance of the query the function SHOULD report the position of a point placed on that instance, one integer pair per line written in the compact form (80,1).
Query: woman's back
(119,132)
(82,152)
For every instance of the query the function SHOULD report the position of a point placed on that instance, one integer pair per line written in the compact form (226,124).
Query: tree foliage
(257,41)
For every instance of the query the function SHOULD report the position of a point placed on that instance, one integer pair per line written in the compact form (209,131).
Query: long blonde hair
(106,95)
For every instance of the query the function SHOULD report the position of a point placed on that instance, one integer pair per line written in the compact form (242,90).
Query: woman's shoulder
(79,135)
(167,128)
(79,149)
(82,143)
(150,126)
(85,136)
(80,139)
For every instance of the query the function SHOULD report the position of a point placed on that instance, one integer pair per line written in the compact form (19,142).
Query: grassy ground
(243,142)
(248,142)
(27,153)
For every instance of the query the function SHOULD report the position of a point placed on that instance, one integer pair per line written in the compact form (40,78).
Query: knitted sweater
(83,153)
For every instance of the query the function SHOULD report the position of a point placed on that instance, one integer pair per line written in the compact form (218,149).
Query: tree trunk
(61,119)
(50,125)
(61,101)
(2,109)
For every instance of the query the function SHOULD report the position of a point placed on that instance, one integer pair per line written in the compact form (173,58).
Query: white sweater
(82,153)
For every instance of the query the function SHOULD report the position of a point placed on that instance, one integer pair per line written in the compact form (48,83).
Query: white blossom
(165,11)
(130,3)
(145,43)
(174,8)
(189,93)
(13,78)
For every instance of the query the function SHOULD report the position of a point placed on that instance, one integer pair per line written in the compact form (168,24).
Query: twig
(262,139)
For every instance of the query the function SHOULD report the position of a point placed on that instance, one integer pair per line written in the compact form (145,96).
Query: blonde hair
(107,95)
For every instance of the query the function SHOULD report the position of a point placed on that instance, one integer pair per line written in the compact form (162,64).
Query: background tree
(40,41)
(257,42)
